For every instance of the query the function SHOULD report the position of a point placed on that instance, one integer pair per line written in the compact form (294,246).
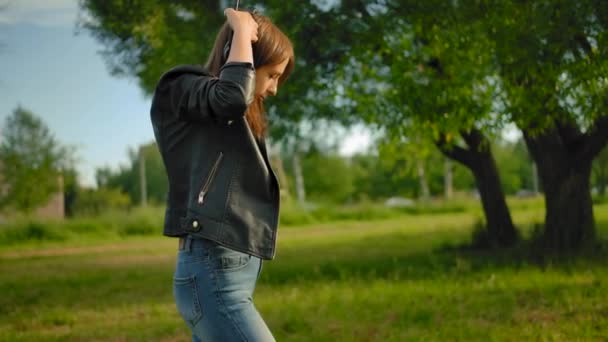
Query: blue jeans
(213,289)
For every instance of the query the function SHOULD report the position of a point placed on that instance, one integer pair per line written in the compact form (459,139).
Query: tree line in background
(328,177)
(34,158)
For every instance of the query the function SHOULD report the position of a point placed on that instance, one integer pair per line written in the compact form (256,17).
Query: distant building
(55,207)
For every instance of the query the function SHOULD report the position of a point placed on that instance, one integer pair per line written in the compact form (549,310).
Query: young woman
(223,200)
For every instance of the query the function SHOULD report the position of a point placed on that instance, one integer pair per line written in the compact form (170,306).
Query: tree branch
(596,139)
(454,152)
(582,41)
(475,140)
(569,133)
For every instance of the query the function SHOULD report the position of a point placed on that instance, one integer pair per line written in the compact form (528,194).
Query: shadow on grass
(426,256)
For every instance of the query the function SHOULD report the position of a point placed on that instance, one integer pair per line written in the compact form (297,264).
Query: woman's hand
(242,24)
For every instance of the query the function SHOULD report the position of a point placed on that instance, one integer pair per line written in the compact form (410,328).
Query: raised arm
(196,96)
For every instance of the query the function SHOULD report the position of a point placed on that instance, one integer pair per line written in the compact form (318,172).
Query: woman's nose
(273,88)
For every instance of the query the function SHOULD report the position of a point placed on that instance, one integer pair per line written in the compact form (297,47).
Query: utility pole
(142,177)
(297,170)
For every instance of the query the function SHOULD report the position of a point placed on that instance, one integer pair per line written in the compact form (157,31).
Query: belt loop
(188,244)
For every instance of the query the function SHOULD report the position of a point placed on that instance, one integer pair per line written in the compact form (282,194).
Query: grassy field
(397,279)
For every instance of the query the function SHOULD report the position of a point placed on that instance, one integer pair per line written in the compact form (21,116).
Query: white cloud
(39,12)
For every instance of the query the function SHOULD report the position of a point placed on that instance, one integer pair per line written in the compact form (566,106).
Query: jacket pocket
(209,180)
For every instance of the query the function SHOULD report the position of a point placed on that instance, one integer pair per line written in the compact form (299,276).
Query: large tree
(144,38)
(538,64)
(420,76)
(366,39)
(552,58)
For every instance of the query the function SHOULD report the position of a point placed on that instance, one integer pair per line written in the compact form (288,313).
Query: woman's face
(267,79)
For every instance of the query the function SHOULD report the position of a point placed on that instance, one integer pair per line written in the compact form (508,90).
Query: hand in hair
(242,23)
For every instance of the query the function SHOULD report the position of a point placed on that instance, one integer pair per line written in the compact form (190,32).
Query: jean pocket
(227,259)
(186,299)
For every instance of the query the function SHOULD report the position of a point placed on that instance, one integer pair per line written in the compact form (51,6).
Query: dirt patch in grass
(114,247)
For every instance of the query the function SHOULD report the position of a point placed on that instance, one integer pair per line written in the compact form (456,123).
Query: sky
(60,76)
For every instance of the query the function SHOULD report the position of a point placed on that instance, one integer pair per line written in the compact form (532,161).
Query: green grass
(398,279)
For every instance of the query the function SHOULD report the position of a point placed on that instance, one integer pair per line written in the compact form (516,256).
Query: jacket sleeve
(195,97)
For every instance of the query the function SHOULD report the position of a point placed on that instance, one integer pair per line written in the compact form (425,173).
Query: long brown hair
(272,47)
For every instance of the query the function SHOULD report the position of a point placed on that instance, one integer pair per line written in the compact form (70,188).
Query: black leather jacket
(221,185)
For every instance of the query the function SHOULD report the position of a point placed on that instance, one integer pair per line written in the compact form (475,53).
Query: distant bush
(96,201)
(110,223)
(141,225)
(83,226)
(135,221)
(328,213)
(28,231)
(438,208)
(598,199)
(293,214)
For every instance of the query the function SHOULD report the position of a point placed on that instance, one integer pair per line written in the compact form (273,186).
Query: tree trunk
(565,176)
(448,186)
(479,159)
(425,194)
(569,222)
(499,223)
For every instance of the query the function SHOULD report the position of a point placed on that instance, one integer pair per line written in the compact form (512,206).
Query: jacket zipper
(209,180)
